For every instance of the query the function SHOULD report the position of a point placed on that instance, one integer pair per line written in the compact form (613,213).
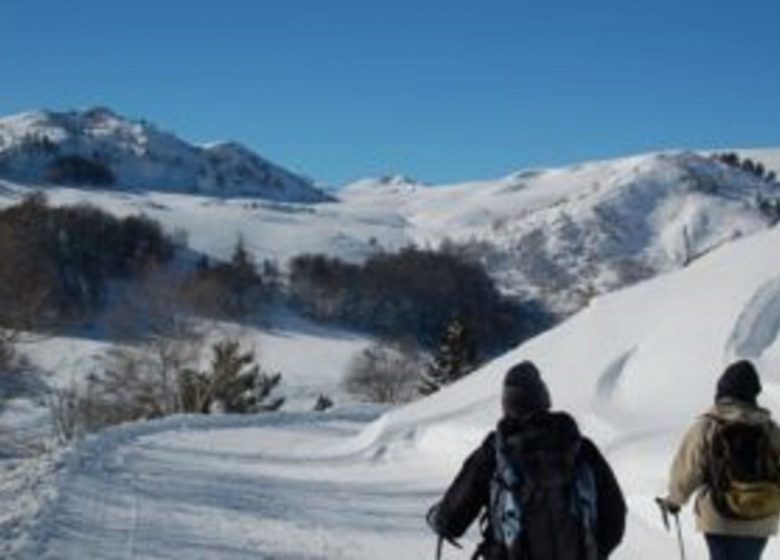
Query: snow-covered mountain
(565,235)
(97,147)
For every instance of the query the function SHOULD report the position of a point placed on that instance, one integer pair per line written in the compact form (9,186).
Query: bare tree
(386,372)
(7,351)
(164,338)
(140,378)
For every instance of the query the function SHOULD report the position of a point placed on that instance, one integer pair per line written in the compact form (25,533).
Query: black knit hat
(740,381)
(524,391)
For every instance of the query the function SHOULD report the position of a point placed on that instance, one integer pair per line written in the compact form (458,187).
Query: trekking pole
(679,535)
(665,517)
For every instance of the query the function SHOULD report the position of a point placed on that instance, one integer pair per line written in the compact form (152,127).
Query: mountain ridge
(136,155)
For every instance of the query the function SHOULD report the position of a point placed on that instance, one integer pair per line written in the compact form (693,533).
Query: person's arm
(611,506)
(467,494)
(688,468)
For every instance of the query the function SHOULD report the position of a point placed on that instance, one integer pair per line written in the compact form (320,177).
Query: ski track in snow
(759,323)
(609,381)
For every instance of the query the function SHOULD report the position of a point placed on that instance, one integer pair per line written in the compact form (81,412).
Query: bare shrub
(136,383)
(323,403)
(67,409)
(139,380)
(385,372)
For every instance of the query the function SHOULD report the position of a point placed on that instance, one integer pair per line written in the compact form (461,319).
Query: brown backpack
(743,470)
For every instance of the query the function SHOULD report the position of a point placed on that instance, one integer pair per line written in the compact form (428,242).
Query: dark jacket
(469,493)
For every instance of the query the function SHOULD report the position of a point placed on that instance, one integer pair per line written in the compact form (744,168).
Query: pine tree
(452,360)
(235,384)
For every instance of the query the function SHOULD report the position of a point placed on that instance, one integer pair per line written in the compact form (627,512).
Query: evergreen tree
(452,360)
(235,384)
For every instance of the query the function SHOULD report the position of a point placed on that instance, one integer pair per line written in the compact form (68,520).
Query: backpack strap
(505,511)
(488,538)
(585,494)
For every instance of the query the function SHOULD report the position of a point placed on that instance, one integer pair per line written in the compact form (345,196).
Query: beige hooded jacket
(689,467)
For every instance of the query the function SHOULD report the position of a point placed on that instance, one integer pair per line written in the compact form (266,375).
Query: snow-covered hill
(561,235)
(635,368)
(567,234)
(35,148)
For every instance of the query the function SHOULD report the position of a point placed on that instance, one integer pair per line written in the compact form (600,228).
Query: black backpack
(743,470)
(543,495)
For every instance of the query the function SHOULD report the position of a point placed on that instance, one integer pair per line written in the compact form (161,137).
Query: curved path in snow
(233,489)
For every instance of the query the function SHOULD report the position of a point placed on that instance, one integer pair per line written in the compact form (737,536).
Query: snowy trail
(235,490)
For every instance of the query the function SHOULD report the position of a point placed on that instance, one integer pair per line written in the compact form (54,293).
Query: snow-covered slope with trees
(559,235)
(97,147)
(567,234)
(635,368)
(770,157)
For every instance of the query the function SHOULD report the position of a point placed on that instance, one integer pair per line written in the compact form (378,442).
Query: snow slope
(142,157)
(561,235)
(565,235)
(635,368)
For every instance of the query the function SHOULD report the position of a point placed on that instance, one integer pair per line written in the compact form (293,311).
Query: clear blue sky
(441,90)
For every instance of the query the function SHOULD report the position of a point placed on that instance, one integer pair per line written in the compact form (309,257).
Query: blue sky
(442,91)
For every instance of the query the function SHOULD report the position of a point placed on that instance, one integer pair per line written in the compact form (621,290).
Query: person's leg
(724,547)
(716,547)
(753,548)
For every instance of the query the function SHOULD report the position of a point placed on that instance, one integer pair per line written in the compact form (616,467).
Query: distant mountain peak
(138,155)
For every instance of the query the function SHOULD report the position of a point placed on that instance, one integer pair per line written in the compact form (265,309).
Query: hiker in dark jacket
(527,419)
(728,537)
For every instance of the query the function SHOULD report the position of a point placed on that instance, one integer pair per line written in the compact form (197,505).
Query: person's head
(740,381)
(524,391)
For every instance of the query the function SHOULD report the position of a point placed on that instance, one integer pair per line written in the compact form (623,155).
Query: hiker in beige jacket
(728,538)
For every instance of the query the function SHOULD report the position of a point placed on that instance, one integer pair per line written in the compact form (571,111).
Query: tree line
(414,293)
(756,168)
(58,262)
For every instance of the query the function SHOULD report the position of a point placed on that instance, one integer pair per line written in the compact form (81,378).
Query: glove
(435,524)
(667,504)
(430,518)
